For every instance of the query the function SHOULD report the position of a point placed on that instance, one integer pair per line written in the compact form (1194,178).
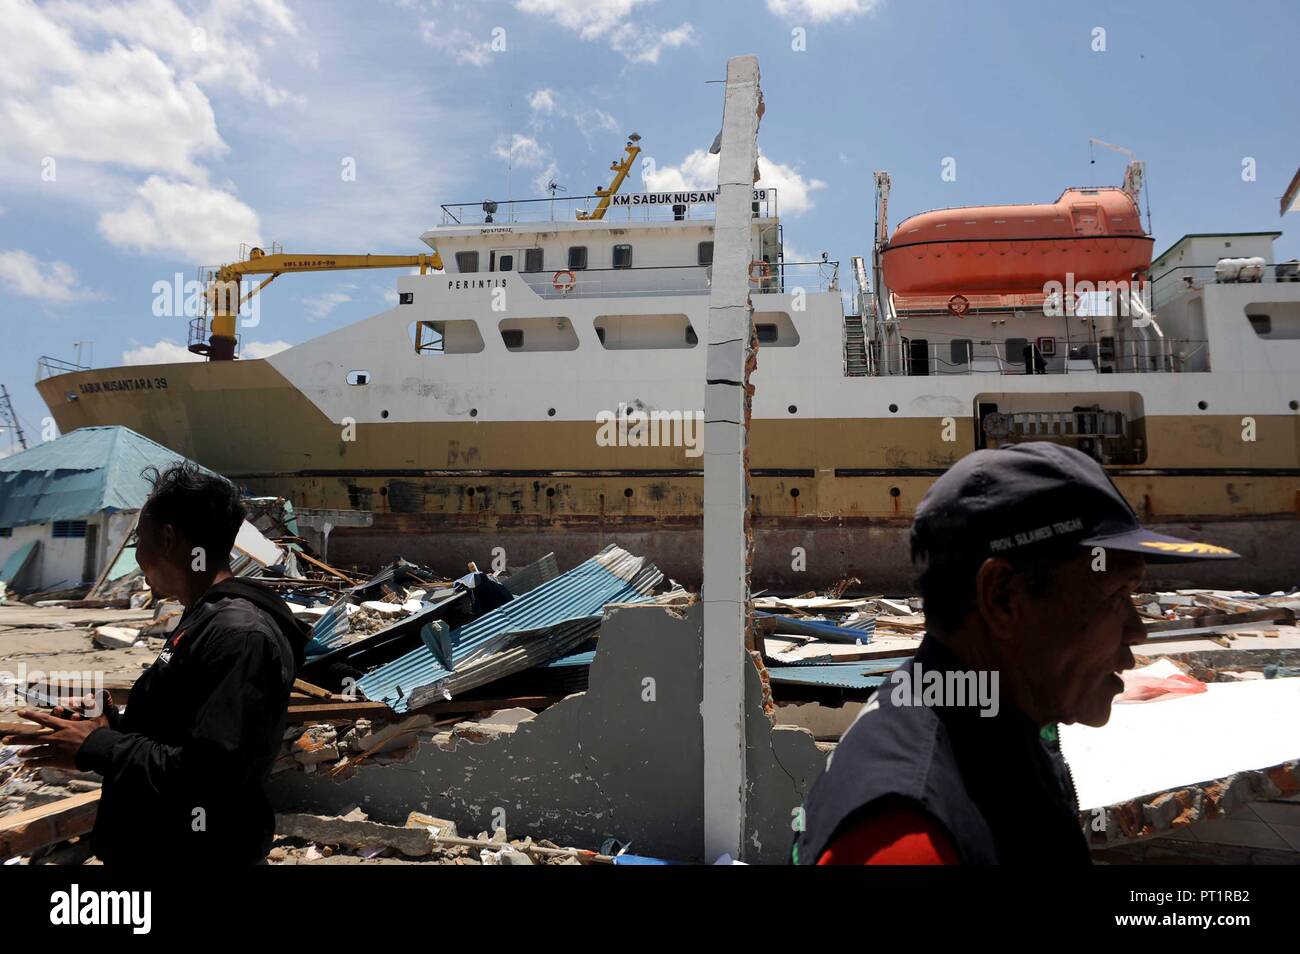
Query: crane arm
(224,292)
(1119,149)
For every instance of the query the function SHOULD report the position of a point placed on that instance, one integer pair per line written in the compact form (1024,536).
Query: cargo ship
(476,413)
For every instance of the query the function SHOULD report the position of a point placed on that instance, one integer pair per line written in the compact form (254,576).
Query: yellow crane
(620,168)
(224,289)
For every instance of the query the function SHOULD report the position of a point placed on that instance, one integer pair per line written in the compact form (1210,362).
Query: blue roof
(611,576)
(85,472)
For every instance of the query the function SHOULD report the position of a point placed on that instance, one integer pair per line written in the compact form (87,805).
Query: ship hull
(830,497)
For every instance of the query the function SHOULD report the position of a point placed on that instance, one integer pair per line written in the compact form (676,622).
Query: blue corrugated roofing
(82,473)
(612,576)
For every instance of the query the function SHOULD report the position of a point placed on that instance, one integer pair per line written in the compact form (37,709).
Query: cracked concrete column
(727,544)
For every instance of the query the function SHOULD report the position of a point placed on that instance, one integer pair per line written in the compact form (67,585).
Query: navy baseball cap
(1030,499)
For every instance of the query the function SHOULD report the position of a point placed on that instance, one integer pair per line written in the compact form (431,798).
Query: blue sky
(146,137)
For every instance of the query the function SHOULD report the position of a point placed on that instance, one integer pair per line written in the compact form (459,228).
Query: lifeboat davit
(1095,234)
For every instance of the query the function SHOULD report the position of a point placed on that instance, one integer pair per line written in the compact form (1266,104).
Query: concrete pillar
(727,544)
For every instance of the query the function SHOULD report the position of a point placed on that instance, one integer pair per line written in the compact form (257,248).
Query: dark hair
(203,507)
(947,581)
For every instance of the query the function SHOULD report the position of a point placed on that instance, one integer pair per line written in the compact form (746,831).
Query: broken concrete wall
(624,759)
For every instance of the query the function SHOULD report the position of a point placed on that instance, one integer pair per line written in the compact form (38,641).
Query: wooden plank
(24,832)
(326,568)
(316,692)
(1201,623)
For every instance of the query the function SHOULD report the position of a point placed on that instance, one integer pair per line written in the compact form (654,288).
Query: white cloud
(262,349)
(199,223)
(542,101)
(166,351)
(21,273)
(521,150)
(118,105)
(466,48)
(322,305)
(609,21)
(820,11)
(699,170)
(217,44)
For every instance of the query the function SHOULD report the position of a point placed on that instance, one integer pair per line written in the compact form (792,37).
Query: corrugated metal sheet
(87,471)
(330,630)
(532,576)
(612,576)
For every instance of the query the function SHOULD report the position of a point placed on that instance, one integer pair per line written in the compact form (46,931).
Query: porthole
(384,414)
(627,492)
(792,409)
(550,491)
(794,491)
(893,409)
(895,492)
(473,412)
(550,412)
(1202,405)
(1295,405)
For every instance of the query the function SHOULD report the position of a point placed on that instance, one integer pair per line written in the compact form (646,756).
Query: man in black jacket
(1030,557)
(186,762)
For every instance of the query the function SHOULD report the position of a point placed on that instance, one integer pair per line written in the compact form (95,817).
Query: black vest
(1002,792)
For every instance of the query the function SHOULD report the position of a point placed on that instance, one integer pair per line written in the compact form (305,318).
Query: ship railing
(47,367)
(621,209)
(1052,356)
(1175,281)
(782,278)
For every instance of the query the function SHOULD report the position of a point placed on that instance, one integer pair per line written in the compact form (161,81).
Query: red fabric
(898,835)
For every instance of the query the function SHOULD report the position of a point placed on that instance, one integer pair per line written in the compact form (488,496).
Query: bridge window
(577,257)
(445,337)
(467,261)
(704,254)
(533,260)
(506,263)
(644,332)
(68,529)
(622,256)
(538,334)
(775,329)
(1275,320)
(358,378)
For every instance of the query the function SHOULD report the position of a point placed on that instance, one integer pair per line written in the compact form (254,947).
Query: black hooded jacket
(185,764)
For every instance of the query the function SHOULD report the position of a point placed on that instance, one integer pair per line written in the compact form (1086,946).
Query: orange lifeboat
(1095,234)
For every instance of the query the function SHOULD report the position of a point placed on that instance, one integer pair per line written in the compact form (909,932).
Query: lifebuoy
(763,269)
(958,305)
(562,283)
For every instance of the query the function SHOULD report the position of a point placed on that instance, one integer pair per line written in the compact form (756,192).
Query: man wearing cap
(1029,557)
